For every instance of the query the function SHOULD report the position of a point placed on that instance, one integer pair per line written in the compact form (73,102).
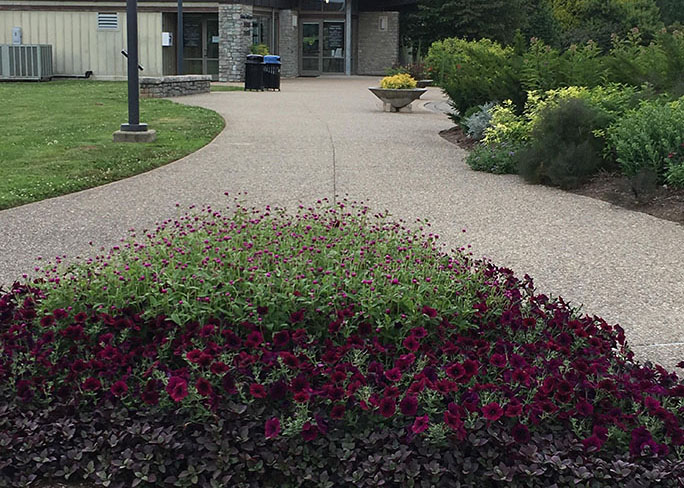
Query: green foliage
(583,20)
(476,123)
(261,49)
(471,19)
(541,67)
(473,73)
(506,126)
(645,137)
(401,81)
(494,158)
(671,11)
(564,151)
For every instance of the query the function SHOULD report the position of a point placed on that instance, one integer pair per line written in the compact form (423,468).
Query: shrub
(675,167)
(643,138)
(474,72)
(564,151)
(476,123)
(261,49)
(541,67)
(398,82)
(659,63)
(327,348)
(494,158)
(506,126)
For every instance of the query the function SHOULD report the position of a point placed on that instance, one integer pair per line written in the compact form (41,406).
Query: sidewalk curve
(324,136)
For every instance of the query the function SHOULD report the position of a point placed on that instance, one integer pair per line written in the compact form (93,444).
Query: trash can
(254,72)
(272,72)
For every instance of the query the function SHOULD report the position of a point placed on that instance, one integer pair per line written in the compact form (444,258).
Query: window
(107,21)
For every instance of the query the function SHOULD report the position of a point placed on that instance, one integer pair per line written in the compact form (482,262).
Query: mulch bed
(640,196)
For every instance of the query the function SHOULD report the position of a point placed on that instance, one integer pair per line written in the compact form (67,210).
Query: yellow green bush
(398,82)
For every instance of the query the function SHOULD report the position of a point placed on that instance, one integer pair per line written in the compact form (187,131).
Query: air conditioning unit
(25,62)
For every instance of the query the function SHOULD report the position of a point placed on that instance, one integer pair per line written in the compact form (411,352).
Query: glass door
(333,47)
(311,49)
(200,45)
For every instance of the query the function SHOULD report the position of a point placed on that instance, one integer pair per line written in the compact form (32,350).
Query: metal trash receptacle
(254,72)
(272,72)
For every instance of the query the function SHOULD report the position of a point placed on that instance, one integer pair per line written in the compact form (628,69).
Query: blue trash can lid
(272,59)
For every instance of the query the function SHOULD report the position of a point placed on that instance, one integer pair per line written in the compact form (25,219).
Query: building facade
(313,37)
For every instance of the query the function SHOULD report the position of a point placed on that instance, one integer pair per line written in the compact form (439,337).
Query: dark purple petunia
(309,431)
(281,339)
(393,374)
(429,311)
(177,388)
(498,360)
(387,407)
(420,424)
(337,411)
(91,384)
(119,388)
(272,428)
(492,411)
(257,390)
(203,387)
(408,405)
(411,343)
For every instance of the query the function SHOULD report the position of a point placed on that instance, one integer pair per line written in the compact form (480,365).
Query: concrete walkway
(327,135)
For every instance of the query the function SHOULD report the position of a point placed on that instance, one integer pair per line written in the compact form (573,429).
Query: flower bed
(329,348)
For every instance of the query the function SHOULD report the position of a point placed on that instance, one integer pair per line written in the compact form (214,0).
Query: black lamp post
(133,131)
(179,40)
(133,124)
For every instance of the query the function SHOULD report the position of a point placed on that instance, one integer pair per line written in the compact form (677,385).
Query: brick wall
(235,31)
(377,49)
(288,45)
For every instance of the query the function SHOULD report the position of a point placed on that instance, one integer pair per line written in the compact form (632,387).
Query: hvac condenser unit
(25,62)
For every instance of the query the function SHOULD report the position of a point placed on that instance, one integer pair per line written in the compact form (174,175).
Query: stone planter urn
(396,100)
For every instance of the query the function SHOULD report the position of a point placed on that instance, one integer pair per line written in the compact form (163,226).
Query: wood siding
(78,46)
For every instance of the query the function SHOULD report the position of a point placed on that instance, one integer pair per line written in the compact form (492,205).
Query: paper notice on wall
(215,39)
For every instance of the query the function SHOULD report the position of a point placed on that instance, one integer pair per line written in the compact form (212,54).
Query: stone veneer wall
(377,50)
(174,86)
(288,44)
(235,31)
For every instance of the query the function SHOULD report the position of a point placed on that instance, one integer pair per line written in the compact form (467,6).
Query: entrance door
(200,45)
(311,49)
(326,56)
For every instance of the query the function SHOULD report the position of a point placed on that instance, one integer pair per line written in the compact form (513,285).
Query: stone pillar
(288,46)
(235,31)
(378,42)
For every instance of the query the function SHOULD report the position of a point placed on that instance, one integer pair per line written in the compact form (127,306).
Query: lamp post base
(135,136)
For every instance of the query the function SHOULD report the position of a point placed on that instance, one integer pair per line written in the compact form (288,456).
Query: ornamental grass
(329,347)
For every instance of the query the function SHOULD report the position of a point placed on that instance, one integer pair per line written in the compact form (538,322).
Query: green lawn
(56,137)
(219,88)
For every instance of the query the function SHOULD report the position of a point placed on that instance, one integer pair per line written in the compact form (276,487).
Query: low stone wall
(174,86)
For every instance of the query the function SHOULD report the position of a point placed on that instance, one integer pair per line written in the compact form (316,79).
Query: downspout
(347,38)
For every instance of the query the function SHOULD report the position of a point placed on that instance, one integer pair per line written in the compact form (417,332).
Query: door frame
(321,22)
(204,19)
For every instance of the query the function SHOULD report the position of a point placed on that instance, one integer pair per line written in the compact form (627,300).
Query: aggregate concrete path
(324,136)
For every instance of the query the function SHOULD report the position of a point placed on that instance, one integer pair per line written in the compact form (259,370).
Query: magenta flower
(492,411)
(430,312)
(498,360)
(309,431)
(337,411)
(119,388)
(203,387)
(91,384)
(411,343)
(272,428)
(420,424)
(387,407)
(393,374)
(177,388)
(257,390)
(408,405)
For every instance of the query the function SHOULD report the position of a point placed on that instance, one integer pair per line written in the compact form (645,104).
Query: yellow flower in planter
(402,81)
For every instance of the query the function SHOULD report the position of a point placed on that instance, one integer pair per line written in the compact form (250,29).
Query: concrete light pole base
(135,136)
